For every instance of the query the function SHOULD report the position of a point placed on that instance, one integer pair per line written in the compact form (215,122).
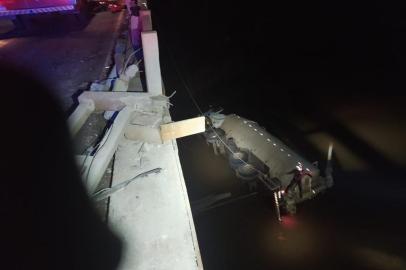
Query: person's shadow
(48,220)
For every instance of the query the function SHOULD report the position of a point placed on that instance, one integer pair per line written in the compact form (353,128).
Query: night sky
(300,46)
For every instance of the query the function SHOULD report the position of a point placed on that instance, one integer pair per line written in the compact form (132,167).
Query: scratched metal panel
(269,149)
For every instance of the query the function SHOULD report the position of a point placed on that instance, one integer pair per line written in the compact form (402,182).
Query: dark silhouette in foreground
(48,221)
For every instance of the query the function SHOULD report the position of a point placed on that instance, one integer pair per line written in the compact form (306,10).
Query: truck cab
(17,9)
(21,7)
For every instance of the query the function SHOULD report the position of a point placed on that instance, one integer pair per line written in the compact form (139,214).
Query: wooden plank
(182,128)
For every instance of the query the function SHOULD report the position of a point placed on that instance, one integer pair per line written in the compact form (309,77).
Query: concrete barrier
(151,62)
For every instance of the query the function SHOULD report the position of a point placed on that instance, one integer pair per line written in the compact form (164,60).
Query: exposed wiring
(128,60)
(184,82)
(97,151)
(124,67)
(102,142)
(89,150)
(82,166)
(107,192)
(174,92)
(219,111)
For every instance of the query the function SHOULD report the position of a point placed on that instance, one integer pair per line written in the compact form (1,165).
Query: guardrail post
(151,62)
(145,20)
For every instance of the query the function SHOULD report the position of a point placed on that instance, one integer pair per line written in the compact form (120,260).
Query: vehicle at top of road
(12,8)
(16,10)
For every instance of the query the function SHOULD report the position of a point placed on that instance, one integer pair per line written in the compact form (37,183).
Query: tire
(247,172)
(237,159)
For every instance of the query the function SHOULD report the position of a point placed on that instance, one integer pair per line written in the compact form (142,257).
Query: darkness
(338,65)
(48,221)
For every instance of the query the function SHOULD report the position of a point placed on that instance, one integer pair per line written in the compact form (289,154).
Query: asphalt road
(59,50)
(66,55)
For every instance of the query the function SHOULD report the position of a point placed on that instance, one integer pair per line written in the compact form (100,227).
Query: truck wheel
(246,172)
(237,159)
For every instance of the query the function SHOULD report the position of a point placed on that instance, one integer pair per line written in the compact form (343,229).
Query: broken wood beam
(182,128)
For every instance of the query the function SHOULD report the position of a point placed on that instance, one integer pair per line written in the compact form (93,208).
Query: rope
(209,122)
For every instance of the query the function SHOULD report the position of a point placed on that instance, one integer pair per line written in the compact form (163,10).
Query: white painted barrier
(151,62)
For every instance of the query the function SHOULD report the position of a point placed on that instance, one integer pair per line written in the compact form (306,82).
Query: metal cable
(107,192)
(102,142)
(210,125)
(128,60)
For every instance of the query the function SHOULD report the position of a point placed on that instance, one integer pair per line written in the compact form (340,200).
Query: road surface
(60,51)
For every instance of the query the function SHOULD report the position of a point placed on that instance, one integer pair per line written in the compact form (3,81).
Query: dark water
(357,225)
(276,64)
